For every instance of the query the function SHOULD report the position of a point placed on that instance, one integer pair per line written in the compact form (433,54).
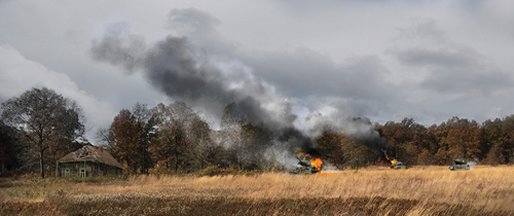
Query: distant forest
(40,126)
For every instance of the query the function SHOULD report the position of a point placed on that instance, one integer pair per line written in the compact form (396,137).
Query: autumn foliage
(174,138)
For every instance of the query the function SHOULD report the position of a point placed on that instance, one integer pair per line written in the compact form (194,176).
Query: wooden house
(88,161)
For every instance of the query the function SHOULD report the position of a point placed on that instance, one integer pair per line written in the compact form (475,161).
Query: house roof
(91,153)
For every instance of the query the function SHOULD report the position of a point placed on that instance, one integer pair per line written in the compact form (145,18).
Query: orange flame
(317,164)
(328,172)
(394,162)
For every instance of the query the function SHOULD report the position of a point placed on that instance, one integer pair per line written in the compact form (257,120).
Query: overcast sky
(382,59)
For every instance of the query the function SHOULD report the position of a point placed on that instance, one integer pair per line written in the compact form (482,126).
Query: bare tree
(146,121)
(47,120)
(183,138)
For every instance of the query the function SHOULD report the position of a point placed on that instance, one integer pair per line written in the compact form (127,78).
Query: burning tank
(459,164)
(395,164)
(307,164)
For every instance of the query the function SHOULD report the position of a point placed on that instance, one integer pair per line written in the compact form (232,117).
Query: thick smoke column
(209,81)
(173,67)
(183,73)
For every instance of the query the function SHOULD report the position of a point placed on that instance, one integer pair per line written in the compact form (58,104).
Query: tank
(307,164)
(399,165)
(459,165)
(395,164)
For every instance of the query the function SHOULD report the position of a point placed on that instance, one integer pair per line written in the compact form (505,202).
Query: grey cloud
(467,80)
(436,58)
(119,47)
(457,70)
(191,20)
(19,74)
(422,29)
(304,74)
(452,68)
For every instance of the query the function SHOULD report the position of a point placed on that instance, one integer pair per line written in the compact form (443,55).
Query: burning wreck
(395,164)
(307,164)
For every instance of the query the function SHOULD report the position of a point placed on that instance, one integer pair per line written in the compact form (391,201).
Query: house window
(67,172)
(82,172)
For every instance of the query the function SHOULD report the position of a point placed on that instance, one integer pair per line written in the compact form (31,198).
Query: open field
(371,191)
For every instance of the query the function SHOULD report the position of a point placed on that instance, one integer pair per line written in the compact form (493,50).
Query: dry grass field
(371,191)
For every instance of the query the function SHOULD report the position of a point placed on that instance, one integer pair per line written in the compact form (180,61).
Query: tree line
(40,126)
(491,142)
(175,139)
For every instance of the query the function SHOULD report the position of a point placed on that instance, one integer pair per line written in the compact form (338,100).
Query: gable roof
(91,153)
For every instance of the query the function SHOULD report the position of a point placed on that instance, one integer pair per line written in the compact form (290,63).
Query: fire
(393,162)
(307,164)
(329,172)
(316,164)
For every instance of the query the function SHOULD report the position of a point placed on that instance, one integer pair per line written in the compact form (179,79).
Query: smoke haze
(213,79)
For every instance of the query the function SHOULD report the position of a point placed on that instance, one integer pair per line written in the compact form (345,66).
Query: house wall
(73,169)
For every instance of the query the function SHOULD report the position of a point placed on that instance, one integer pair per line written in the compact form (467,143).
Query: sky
(380,59)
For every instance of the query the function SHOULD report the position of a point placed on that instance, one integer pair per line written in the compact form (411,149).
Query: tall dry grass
(375,191)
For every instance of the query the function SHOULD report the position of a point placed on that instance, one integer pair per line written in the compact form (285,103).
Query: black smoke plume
(174,67)
(186,72)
